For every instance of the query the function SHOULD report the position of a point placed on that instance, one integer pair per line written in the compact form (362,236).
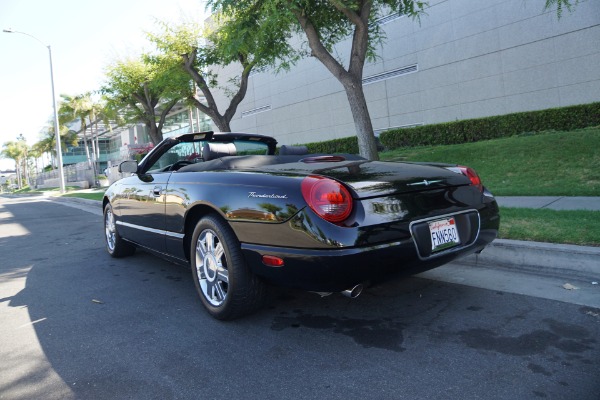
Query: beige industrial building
(465,59)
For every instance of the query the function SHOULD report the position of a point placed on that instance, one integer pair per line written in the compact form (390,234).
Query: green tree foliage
(322,25)
(47,143)
(561,5)
(88,110)
(16,150)
(239,42)
(77,108)
(145,90)
(13,150)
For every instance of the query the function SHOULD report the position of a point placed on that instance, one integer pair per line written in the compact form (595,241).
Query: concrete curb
(78,200)
(564,260)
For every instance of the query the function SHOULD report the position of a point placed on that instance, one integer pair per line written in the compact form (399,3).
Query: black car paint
(266,210)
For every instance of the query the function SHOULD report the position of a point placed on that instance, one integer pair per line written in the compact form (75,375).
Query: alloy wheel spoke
(201,249)
(219,251)
(218,291)
(223,275)
(210,242)
(210,289)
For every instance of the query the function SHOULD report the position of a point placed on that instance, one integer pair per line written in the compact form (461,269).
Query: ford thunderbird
(245,214)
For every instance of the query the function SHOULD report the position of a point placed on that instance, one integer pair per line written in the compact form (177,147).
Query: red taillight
(328,198)
(472,175)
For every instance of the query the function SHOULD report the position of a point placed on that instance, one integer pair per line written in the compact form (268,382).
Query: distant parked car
(243,216)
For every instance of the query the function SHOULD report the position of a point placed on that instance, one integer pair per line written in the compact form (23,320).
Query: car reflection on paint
(251,215)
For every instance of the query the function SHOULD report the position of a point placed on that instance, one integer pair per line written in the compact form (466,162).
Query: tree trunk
(94,159)
(222,124)
(97,144)
(155,136)
(25,172)
(351,79)
(87,150)
(367,144)
(18,168)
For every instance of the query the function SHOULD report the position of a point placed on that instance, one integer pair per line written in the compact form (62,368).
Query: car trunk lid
(376,178)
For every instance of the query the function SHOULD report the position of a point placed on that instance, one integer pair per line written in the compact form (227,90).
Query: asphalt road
(75,323)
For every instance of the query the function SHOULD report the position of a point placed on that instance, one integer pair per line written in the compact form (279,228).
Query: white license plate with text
(443,234)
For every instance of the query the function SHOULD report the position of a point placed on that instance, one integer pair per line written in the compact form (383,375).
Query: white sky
(84,36)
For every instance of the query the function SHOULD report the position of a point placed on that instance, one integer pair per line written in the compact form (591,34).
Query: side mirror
(129,166)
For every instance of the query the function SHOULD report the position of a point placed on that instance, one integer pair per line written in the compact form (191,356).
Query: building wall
(472,58)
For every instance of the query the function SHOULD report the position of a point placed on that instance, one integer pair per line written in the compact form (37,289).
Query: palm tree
(36,153)
(77,108)
(47,144)
(89,112)
(15,150)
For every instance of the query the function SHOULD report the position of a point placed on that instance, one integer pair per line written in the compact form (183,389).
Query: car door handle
(157,191)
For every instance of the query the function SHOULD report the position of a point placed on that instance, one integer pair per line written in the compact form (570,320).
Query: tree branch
(360,41)
(165,111)
(348,12)
(318,50)
(241,93)
(188,65)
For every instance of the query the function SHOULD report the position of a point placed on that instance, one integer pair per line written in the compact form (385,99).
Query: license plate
(443,234)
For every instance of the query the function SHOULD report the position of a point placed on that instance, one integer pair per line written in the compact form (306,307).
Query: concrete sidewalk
(551,202)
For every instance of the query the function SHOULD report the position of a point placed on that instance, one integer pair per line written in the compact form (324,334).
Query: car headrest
(293,150)
(210,151)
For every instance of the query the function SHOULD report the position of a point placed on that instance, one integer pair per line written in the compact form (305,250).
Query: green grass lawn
(545,164)
(87,195)
(71,191)
(53,190)
(542,225)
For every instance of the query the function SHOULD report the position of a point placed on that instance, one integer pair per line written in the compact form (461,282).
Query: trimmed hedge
(345,145)
(473,130)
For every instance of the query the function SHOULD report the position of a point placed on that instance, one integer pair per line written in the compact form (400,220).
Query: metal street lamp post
(56,127)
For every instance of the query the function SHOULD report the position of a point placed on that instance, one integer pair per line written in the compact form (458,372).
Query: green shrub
(474,130)
(344,145)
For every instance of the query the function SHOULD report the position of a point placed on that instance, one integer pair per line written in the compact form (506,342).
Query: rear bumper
(338,269)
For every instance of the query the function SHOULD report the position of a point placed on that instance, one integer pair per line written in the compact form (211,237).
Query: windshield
(191,152)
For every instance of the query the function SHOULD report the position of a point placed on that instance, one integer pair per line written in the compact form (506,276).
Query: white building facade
(465,59)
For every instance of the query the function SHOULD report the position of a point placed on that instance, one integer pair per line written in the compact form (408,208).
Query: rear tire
(225,284)
(115,245)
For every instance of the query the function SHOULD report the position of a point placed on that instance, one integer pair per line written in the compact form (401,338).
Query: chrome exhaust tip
(353,292)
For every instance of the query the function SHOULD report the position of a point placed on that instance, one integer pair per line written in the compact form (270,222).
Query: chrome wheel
(226,286)
(110,230)
(211,267)
(115,245)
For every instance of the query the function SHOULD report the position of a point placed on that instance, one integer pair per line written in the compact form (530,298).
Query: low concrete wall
(50,183)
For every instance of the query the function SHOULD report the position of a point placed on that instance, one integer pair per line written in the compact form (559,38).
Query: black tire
(115,245)
(225,284)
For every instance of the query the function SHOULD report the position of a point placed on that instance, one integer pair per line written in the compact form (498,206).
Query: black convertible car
(243,216)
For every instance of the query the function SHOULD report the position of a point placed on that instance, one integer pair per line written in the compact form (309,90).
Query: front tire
(225,284)
(115,245)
